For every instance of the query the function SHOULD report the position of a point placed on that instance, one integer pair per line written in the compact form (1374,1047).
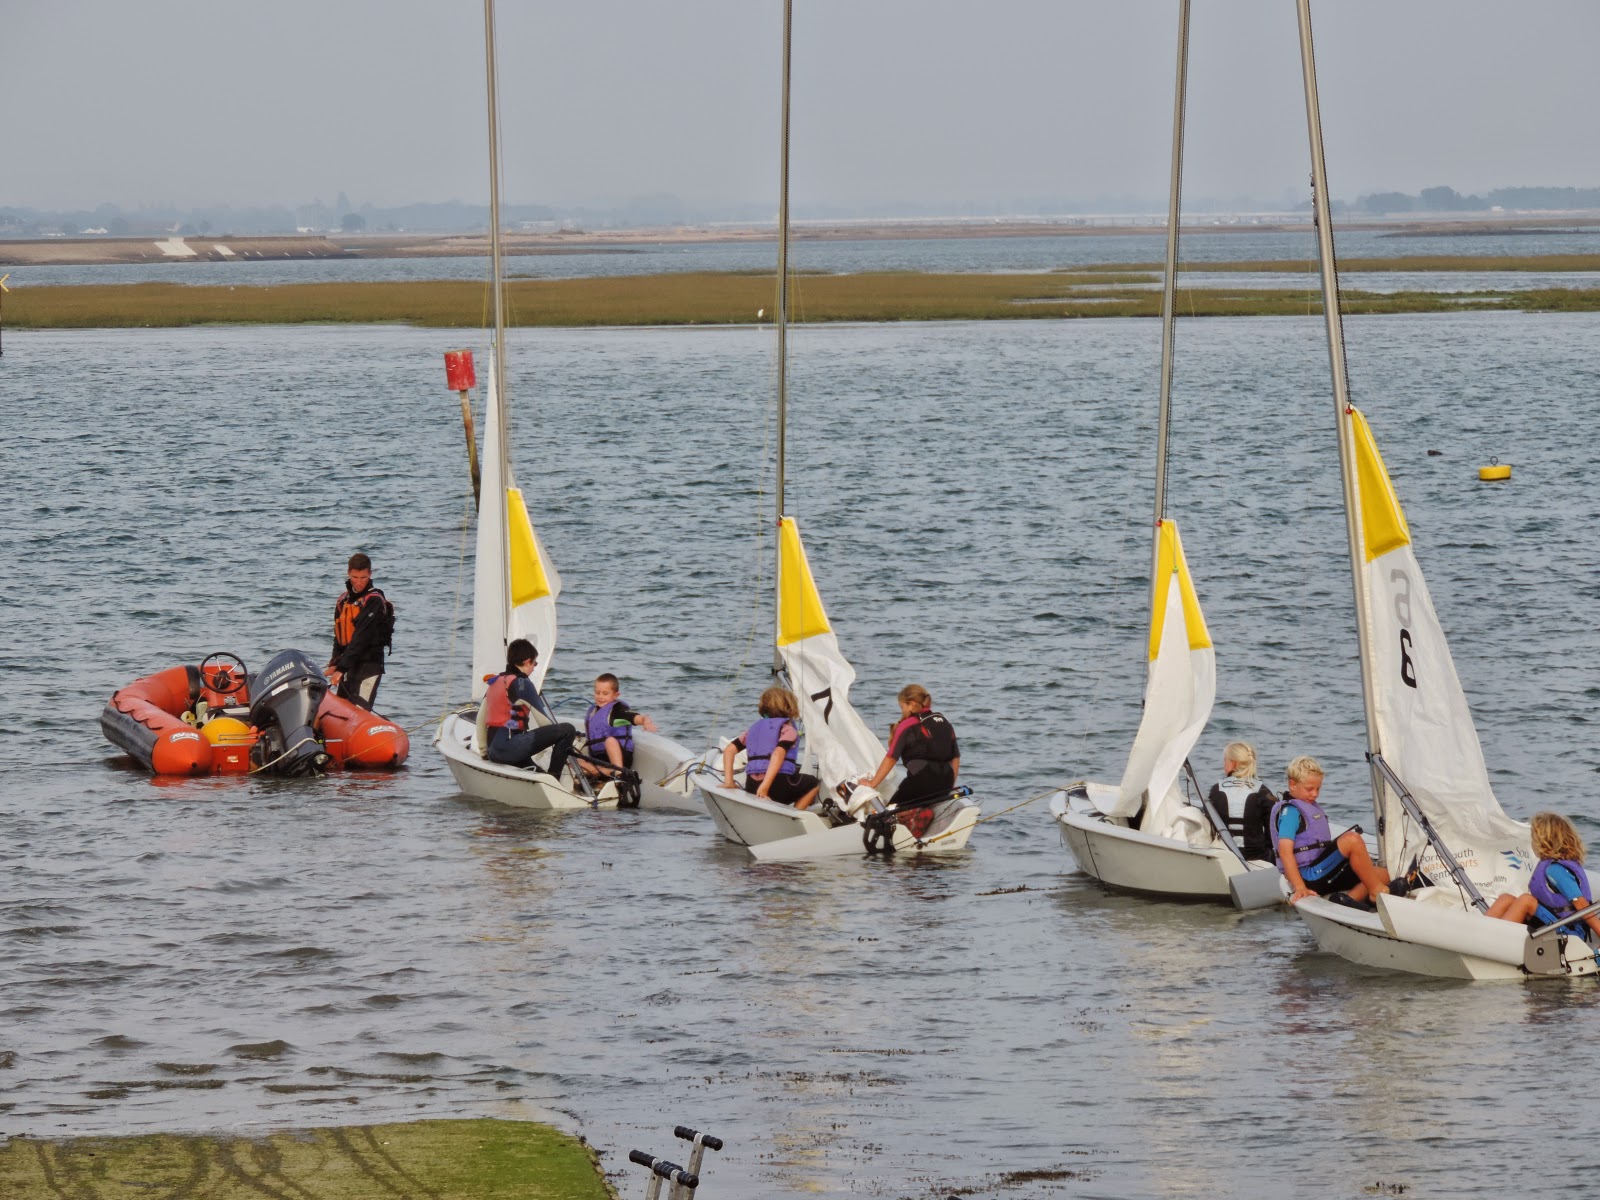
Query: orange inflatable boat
(219,719)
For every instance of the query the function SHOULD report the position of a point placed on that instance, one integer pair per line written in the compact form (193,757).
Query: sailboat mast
(1169,289)
(783,299)
(498,365)
(1341,392)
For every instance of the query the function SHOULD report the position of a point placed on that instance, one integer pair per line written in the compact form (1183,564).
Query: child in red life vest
(1559,886)
(772,753)
(1310,857)
(608,729)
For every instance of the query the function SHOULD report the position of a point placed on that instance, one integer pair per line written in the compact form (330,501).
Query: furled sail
(514,583)
(1424,726)
(820,675)
(1180,687)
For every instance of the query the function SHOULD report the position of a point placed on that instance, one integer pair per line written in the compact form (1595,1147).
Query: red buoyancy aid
(497,704)
(347,610)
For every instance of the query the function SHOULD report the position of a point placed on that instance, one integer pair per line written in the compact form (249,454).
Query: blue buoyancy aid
(1553,900)
(761,742)
(598,727)
(1314,837)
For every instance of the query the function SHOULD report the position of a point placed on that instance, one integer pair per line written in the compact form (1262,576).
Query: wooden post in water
(3,290)
(462,378)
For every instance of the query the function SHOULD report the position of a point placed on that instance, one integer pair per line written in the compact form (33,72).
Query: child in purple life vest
(772,753)
(1559,887)
(1314,861)
(608,729)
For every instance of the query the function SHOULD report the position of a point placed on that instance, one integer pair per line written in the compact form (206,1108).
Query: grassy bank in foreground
(439,1160)
(716,299)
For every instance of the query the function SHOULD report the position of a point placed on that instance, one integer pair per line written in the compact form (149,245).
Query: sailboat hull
(1133,861)
(1427,938)
(655,758)
(775,832)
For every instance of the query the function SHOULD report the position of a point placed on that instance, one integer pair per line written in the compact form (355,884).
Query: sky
(961,102)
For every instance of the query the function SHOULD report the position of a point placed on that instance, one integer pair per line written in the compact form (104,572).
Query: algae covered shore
(430,1160)
(733,298)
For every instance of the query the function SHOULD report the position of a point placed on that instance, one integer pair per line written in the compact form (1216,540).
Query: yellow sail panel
(800,612)
(1169,562)
(1383,522)
(528,579)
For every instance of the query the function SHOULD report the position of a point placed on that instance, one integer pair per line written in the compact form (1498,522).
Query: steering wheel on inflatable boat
(224,682)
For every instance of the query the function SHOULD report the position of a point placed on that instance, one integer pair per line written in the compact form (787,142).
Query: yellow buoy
(226,731)
(1495,470)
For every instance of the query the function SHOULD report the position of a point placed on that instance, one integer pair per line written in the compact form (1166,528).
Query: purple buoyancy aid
(1314,836)
(761,742)
(1548,896)
(598,727)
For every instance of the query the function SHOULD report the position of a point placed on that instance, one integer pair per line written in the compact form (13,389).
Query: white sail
(1425,728)
(821,676)
(1180,688)
(514,583)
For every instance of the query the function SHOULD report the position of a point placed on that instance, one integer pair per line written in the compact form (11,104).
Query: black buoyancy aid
(931,740)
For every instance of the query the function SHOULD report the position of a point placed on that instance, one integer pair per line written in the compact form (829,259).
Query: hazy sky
(195,102)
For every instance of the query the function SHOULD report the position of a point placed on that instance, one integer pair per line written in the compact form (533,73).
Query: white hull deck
(775,832)
(1106,849)
(655,758)
(1432,935)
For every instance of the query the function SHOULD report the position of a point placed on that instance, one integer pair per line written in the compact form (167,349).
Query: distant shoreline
(109,251)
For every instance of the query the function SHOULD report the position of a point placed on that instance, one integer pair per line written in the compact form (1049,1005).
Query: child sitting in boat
(772,753)
(1559,887)
(1242,801)
(1310,857)
(608,729)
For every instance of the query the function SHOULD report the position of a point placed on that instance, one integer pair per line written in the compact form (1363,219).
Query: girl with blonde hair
(1243,801)
(1559,887)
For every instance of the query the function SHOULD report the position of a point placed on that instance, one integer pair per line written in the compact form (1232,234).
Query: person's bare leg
(805,801)
(1374,878)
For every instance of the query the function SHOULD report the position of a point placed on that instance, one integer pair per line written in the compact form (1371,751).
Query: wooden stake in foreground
(462,378)
(3,290)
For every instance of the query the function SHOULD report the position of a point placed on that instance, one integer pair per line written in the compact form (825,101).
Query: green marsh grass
(439,1160)
(713,299)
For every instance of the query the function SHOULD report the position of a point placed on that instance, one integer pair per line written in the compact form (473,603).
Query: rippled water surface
(244,954)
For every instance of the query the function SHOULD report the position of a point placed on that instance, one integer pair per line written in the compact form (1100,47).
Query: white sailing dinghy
(1145,835)
(838,747)
(515,586)
(1431,794)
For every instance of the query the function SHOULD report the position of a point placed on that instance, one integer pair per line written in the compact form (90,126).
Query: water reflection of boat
(839,747)
(217,718)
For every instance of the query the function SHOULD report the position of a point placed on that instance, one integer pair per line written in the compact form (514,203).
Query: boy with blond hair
(1314,861)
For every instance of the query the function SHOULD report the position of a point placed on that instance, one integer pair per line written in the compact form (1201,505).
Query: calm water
(909,254)
(247,954)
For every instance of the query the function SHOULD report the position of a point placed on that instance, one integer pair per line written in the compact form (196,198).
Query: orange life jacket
(347,609)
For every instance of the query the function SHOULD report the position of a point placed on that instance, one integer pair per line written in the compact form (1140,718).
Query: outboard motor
(284,699)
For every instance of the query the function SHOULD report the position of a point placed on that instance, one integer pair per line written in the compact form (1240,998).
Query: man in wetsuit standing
(363,624)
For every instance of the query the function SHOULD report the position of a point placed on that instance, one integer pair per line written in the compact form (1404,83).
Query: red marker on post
(463,378)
